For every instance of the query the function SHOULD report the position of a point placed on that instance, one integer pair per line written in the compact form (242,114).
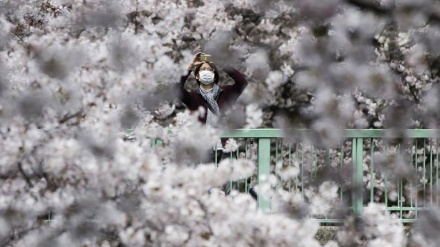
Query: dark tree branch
(370,6)
(434,18)
(25,176)
(205,210)
(68,117)
(15,236)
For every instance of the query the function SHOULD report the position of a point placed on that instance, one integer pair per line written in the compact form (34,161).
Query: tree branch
(25,176)
(68,117)
(136,22)
(369,5)
(15,236)
(205,210)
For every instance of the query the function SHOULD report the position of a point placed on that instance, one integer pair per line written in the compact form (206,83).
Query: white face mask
(206,77)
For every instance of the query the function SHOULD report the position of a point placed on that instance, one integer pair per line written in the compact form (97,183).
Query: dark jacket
(227,96)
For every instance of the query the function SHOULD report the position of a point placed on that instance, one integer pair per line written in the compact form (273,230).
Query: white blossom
(70,69)
(231,146)
(274,80)
(254,116)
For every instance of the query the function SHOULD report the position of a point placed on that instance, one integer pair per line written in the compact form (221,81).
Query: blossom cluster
(87,88)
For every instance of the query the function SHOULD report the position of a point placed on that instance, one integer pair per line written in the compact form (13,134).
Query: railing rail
(349,133)
(362,145)
(359,138)
(357,151)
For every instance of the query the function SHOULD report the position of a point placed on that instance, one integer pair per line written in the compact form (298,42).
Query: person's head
(206,73)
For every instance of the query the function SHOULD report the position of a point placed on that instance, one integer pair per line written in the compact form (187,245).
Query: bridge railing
(399,169)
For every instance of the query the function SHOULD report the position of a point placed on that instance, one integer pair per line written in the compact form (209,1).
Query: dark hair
(212,65)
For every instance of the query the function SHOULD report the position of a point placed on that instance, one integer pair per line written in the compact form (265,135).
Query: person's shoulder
(225,87)
(228,68)
(194,91)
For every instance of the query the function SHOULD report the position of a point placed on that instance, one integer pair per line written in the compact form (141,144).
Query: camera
(205,58)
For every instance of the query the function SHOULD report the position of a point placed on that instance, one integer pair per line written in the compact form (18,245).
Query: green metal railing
(397,168)
(369,181)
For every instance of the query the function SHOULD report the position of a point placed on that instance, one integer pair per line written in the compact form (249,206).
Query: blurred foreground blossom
(77,76)
(389,232)
(254,116)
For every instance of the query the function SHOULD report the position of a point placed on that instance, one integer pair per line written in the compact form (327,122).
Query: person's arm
(184,95)
(239,79)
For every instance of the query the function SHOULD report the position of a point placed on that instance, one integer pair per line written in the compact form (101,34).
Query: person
(214,99)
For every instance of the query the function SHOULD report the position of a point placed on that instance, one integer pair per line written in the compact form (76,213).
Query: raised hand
(196,60)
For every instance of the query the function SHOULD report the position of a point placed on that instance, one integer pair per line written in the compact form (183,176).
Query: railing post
(357,176)
(263,171)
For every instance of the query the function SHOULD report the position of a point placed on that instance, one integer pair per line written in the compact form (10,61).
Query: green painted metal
(340,168)
(372,181)
(246,152)
(386,187)
(411,190)
(437,172)
(415,164)
(308,159)
(277,160)
(424,171)
(302,170)
(263,171)
(349,133)
(290,164)
(297,179)
(400,199)
(357,184)
(430,168)
(357,139)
